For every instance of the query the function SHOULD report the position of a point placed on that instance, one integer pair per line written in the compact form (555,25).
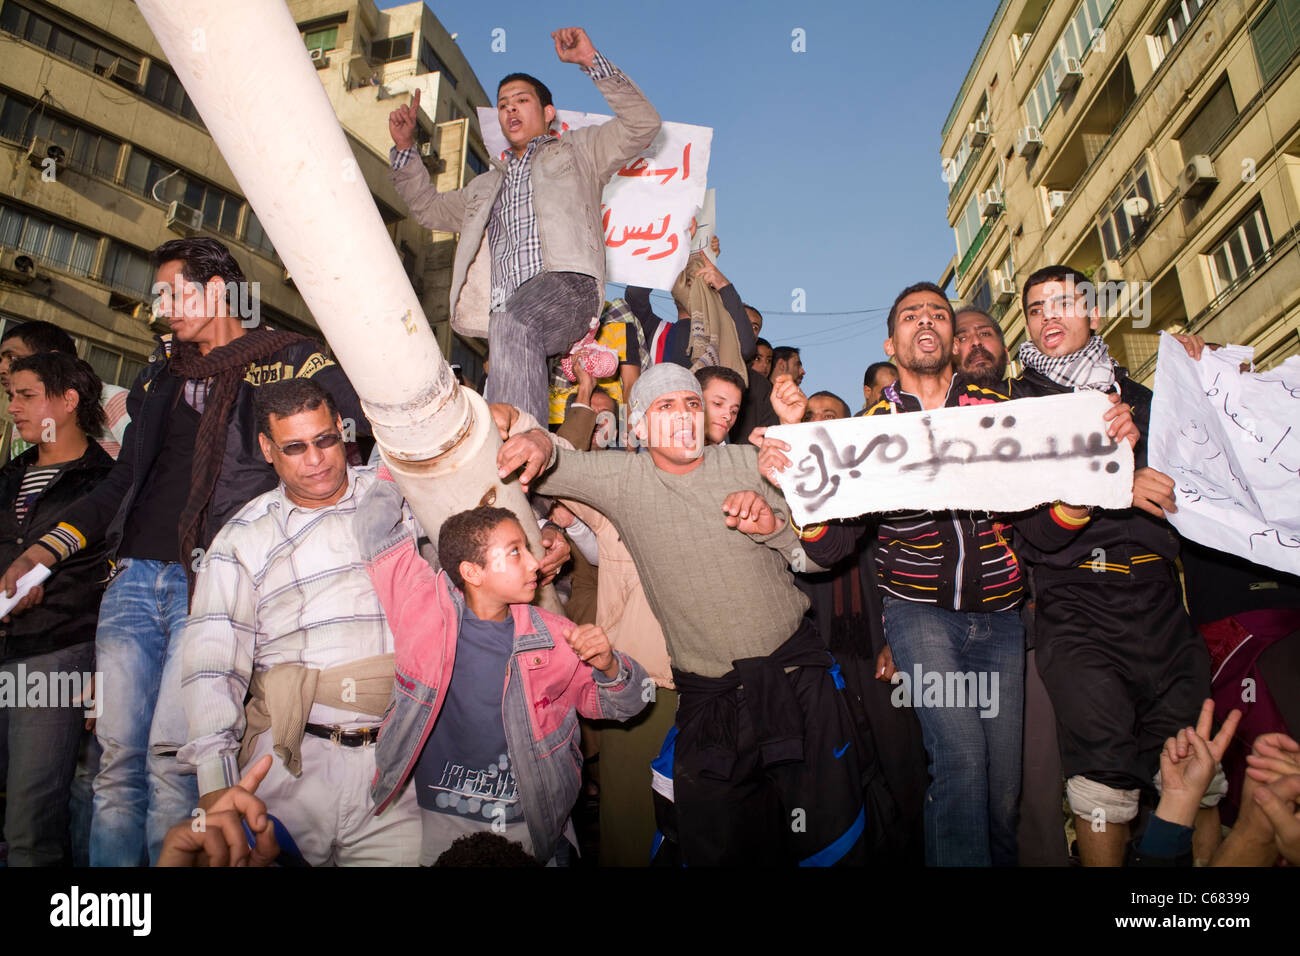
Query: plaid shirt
(281,584)
(512,231)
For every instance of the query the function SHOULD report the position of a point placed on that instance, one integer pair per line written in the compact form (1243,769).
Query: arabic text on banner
(1003,457)
(1230,440)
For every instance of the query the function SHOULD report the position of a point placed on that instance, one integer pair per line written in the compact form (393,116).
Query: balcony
(975,245)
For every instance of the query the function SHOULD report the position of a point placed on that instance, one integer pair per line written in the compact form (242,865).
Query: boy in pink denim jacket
(507,761)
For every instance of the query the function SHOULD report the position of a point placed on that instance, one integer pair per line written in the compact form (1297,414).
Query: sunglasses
(298,447)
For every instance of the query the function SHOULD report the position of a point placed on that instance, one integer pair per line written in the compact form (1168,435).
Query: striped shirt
(281,584)
(512,229)
(35,480)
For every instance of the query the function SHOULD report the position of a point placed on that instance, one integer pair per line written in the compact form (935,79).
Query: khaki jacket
(568,175)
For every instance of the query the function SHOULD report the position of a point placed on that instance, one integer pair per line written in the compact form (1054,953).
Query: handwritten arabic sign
(1231,443)
(1002,457)
(646,207)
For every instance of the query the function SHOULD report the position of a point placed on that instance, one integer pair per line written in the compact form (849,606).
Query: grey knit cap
(660,380)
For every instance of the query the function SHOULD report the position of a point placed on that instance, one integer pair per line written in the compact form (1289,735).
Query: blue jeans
(971,726)
(139,795)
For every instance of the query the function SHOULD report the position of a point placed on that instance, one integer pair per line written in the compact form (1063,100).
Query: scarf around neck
(223,368)
(1090,367)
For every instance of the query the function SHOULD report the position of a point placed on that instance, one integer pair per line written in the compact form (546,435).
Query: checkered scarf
(1090,367)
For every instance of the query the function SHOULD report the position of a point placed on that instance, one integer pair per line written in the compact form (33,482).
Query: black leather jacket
(68,613)
(245,473)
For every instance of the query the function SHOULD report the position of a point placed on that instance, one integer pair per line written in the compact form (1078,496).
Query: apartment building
(1155,146)
(103,157)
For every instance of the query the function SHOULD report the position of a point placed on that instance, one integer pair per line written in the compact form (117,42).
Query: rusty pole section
(245,67)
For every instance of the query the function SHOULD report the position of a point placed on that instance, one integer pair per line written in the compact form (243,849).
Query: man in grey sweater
(764,768)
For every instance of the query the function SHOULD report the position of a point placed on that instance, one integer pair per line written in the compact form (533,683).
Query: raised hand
(788,401)
(572,45)
(402,123)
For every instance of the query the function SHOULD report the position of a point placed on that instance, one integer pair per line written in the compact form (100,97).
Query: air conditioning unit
(184,219)
(1198,176)
(979,133)
(1067,76)
(125,71)
(17,266)
(44,149)
(1004,288)
(1056,200)
(319,58)
(1108,271)
(990,202)
(1028,141)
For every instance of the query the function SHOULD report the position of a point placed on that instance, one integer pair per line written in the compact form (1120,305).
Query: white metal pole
(244,65)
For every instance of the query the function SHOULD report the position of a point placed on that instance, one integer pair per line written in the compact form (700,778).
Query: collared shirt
(512,229)
(281,584)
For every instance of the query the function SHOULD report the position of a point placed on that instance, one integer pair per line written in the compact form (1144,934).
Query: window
(429,60)
(968,225)
(1172,26)
(111,366)
(324,39)
(220,208)
(474,163)
(166,90)
(128,270)
(389,49)
(52,243)
(1209,124)
(1076,41)
(85,149)
(982,296)
(143,172)
(1247,245)
(256,236)
(35,29)
(1276,36)
(1116,227)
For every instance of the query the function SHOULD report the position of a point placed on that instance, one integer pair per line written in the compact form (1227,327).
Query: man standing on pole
(531,252)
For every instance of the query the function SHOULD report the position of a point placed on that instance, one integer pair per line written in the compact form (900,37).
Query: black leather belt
(345,738)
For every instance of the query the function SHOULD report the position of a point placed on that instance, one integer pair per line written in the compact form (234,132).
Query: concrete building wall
(1137,107)
(78,90)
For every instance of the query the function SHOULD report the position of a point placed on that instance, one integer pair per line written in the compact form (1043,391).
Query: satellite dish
(1136,207)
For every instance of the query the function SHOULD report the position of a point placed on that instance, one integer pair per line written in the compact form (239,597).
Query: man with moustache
(979,348)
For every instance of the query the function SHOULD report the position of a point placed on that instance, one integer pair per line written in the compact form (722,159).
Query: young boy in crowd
(505,761)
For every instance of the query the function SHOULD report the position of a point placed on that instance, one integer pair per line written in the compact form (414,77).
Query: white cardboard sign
(1230,440)
(1002,457)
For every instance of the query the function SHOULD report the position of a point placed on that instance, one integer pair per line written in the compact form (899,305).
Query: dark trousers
(769,772)
(42,739)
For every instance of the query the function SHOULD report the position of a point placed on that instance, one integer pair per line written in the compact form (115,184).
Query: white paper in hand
(28,581)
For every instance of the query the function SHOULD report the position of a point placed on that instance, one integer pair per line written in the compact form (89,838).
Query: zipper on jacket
(961,558)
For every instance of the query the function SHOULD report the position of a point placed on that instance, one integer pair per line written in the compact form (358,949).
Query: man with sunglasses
(285,615)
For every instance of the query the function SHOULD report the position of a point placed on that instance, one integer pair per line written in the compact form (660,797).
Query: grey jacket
(568,175)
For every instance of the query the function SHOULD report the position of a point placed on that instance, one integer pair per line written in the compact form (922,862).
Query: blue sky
(826,162)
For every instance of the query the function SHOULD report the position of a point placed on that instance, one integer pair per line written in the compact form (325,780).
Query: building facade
(1153,145)
(103,157)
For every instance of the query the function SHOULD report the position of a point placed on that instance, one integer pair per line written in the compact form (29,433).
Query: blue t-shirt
(464,769)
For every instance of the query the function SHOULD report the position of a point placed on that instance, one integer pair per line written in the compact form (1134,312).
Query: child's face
(509,568)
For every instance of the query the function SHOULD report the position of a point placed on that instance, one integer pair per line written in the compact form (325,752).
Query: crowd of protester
(290,670)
